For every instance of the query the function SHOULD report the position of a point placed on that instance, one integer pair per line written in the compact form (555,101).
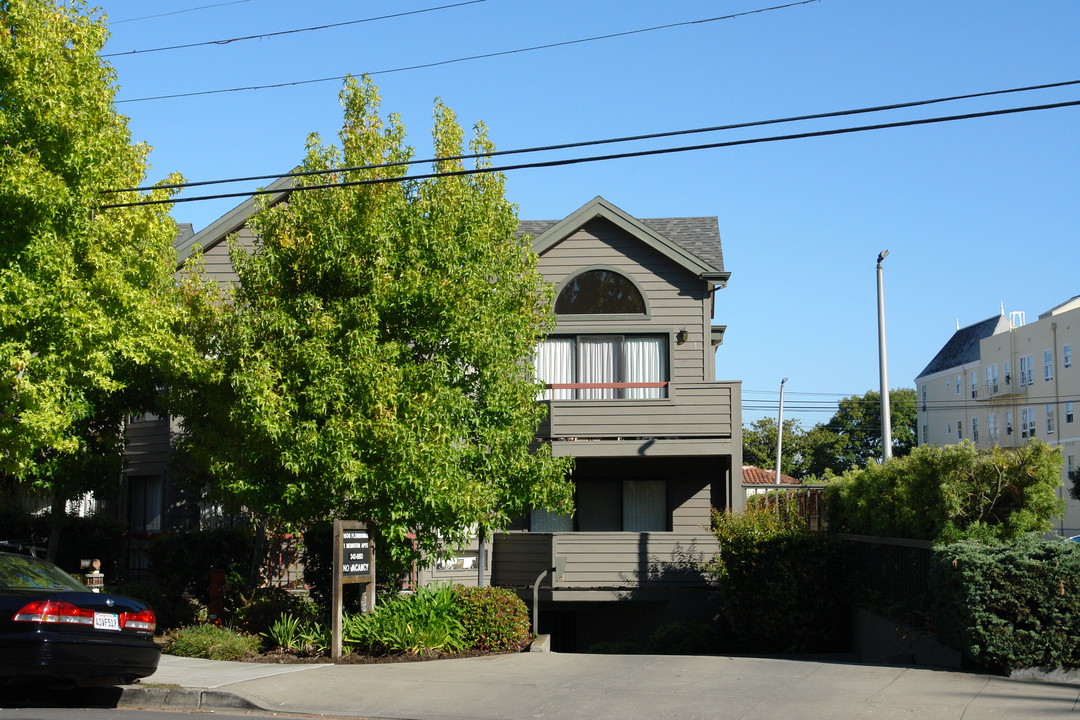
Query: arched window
(600,292)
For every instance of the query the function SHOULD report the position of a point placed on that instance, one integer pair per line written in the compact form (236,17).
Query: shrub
(1008,605)
(423,622)
(780,585)
(494,619)
(951,493)
(181,562)
(303,636)
(267,605)
(210,642)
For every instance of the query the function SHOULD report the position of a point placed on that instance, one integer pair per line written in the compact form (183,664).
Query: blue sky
(975,213)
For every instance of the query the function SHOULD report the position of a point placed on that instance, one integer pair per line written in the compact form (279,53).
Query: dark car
(54,630)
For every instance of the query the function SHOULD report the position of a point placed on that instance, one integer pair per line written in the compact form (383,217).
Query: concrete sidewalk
(597,687)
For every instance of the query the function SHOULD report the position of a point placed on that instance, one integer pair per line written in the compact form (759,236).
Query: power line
(470,57)
(289,32)
(608,141)
(616,156)
(178,12)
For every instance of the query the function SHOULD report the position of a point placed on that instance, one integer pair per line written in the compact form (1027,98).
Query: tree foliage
(950,493)
(373,362)
(851,438)
(87,317)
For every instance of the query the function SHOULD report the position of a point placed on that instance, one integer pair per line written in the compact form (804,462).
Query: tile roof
(752,475)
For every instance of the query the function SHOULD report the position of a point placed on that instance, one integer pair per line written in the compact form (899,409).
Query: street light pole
(780,433)
(886,418)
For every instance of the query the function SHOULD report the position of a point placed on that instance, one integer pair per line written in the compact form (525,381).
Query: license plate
(106,621)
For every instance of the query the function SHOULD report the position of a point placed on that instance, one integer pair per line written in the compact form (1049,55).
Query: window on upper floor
(600,292)
(1066,355)
(1008,422)
(974,376)
(1027,370)
(1048,365)
(975,429)
(959,429)
(1049,419)
(1069,411)
(145,496)
(991,378)
(959,382)
(1027,422)
(992,427)
(603,367)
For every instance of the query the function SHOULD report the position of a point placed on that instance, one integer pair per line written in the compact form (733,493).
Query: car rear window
(29,573)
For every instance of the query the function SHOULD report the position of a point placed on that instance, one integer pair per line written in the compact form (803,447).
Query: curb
(183,699)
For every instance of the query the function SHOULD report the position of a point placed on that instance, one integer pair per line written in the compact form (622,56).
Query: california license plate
(106,621)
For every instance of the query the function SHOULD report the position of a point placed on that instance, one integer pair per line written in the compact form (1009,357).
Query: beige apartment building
(1003,381)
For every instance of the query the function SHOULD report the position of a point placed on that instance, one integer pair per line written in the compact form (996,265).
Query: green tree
(373,363)
(759,447)
(86,311)
(951,493)
(852,438)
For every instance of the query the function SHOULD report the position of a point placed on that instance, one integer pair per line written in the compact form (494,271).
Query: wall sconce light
(681,337)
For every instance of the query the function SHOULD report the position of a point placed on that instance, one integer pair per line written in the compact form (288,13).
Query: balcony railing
(602,560)
(691,409)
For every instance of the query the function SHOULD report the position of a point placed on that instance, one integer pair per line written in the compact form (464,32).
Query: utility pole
(886,416)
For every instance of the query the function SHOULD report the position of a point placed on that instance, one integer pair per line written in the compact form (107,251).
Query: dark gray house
(630,372)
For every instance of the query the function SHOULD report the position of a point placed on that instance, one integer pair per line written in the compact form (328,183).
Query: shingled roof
(753,475)
(963,346)
(698,237)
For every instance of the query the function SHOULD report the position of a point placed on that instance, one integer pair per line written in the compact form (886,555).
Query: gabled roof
(753,475)
(693,243)
(228,223)
(963,346)
(1070,304)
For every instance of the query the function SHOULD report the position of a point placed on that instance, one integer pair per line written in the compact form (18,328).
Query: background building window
(1066,355)
(1069,411)
(1049,419)
(145,502)
(1048,365)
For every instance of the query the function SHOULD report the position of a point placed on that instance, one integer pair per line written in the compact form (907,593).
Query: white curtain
(555,364)
(598,362)
(645,361)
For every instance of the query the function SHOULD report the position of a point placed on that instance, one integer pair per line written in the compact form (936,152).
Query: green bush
(951,493)
(423,622)
(81,538)
(494,619)
(181,562)
(299,635)
(266,605)
(210,642)
(1008,605)
(780,585)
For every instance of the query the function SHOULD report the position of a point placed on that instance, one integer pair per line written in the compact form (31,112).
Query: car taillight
(54,611)
(142,620)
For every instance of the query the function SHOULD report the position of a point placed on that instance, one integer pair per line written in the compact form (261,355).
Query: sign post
(354,562)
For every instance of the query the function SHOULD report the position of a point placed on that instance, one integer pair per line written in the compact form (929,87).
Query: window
(924,434)
(1027,370)
(1048,365)
(991,379)
(145,502)
(1008,371)
(959,381)
(975,430)
(948,429)
(600,292)
(947,381)
(922,396)
(959,430)
(974,376)
(1049,419)
(1008,422)
(1027,422)
(604,367)
(1069,411)
(992,428)
(611,506)
(1066,355)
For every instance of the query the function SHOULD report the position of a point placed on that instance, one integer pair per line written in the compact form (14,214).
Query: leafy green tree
(87,317)
(852,438)
(759,447)
(373,363)
(951,493)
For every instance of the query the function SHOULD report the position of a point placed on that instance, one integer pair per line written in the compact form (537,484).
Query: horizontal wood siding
(147,448)
(691,506)
(517,558)
(616,560)
(216,259)
(693,410)
(675,297)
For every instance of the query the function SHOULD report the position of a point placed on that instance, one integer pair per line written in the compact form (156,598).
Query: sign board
(356,556)
(354,562)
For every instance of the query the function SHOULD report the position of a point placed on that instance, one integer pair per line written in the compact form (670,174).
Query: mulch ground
(356,659)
